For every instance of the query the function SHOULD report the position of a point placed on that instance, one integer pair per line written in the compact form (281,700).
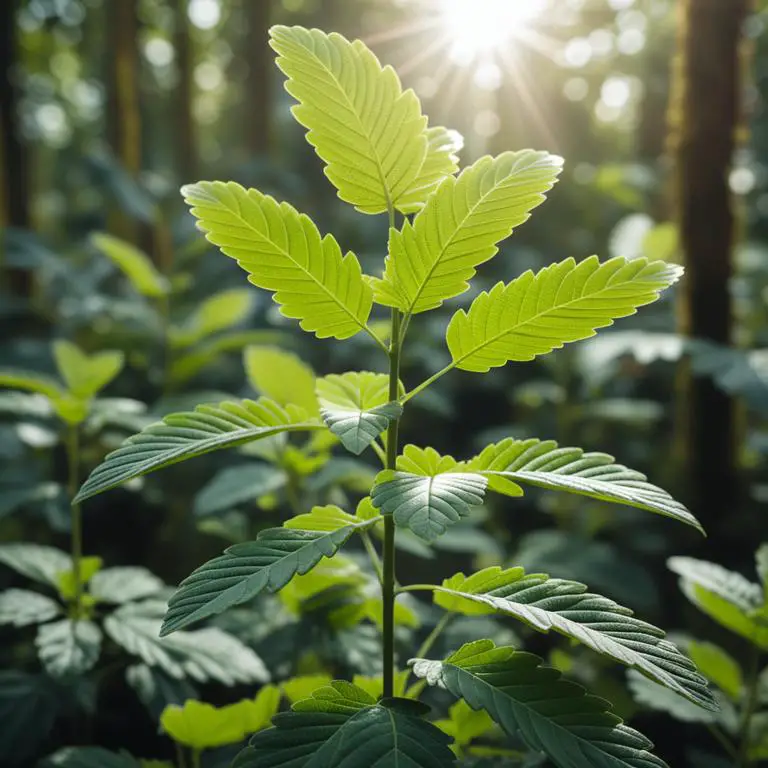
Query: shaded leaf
(183,436)
(654,696)
(718,666)
(89,757)
(20,608)
(216,313)
(36,562)
(238,485)
(68,647)
(133,263)
(124,584)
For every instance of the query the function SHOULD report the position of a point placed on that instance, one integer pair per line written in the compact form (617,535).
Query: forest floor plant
(383,158)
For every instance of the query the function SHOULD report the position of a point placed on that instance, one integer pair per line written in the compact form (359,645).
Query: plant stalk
(749,708)
(76,533)
(388,554)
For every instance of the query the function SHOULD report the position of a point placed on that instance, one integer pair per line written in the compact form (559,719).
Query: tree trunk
(259,58)
(14,155)
(185,135)
(704,117)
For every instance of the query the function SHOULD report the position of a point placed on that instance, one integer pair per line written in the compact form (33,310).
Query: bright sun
(476,26)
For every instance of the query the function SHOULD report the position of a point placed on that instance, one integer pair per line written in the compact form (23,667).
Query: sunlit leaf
(718,666)
(283,251)
(281,376)
(133,263)
(87,567)
(216,313)
(85,375)
(371,135)
(562,303)
(302,687)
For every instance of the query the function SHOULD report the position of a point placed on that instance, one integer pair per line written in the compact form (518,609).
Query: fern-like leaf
(425,493)
(562,303)
(283,251)
(356,407)
(371,135)
(528,700)
(183,436)
(547,604)
(460,226)
(342,725)
(267,564)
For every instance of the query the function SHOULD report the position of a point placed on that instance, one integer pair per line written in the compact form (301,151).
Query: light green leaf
(282,251)
(441,161)
(661,699)
(547,604)
(322,520)
(282,376)
(542,463)
(125,584)
(460,226)
(68,647)
(662,242)
(85,375)
(302,687)
(65,582)
(551,714)
(761,566)
(562,303)
(246,570)
(20,608)
(238,485)
(31,382)
(216,313)
(35,561)
(203,655)
(183,436)
(203,726)
(425,494)
(718,666)
(465,724)
(725,596)
(341,725)
(370,134)
(133,263)
(355,406)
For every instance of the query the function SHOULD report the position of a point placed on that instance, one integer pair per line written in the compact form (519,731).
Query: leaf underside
(551,714)
(183,436)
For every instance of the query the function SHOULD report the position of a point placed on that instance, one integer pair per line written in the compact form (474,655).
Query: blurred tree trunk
(124,111)
(185,135)
(14,155)
(704,118)
(259,58)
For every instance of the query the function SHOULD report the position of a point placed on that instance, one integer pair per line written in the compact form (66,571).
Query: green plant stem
(380,452)
(749,708)
(431,638)
(427,382)
(418,588)
(388,568)
(196,754)
(181,761)
(76,532)
(373,556)
(723,740)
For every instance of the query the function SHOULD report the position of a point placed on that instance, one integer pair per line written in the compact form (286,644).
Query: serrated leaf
(465,724)
(246,570)
(718,666)
(203,726)
(156,690)
(282,376)
(543,463)
(425,494)
(564,302)
(283,251)
(547,604)
(371,135)
(355,406)
(202,655)
(68,647)
(302,687)
(182,436)
(460,226)
(551,714)
(725,596)
(342,725)
(441,161)
(124,584)
(216,313)
(238,485)
(657,697)
(84,374)
(133,263)
(89,757)
(21,607)
(35,561)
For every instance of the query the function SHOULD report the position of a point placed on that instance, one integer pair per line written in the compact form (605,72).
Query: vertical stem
(181,761)
(76,533)
(749,708)
(196,758)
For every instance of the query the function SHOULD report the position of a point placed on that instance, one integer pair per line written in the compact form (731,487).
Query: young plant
(383,158)
(740,606)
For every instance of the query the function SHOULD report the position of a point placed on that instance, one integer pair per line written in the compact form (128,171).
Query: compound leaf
(267,564)
(425,493)
(564,302)
(202,655)
(342,725)
(371,135)
(460,226)
(356,407)
(282,251)
(182,436)
(547,604)
(528,700)
(544,464)
(68,647)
